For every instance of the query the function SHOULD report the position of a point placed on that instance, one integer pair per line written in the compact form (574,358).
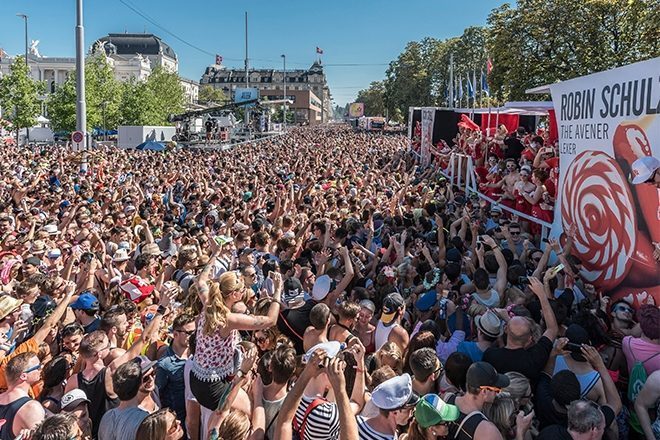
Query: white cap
(394,393)
(643,168)
(73,398)
(321,287)
(54,253)
(331,348)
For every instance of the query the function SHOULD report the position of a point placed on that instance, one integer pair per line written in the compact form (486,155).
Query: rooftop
(131,44)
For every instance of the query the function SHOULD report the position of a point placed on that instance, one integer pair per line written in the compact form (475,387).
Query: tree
(373,99)
(209,94)
(137,105)
(165,94)
(62,106)
(19,95)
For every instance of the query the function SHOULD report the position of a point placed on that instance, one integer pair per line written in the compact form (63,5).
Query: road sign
(78,140)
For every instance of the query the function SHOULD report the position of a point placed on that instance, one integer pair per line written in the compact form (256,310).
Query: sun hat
(8,304)
(54,254)
(120,255)
(431,410)
(490,324)
(38,247)
(643,168)
(51,229)
(151,249)
(394,393)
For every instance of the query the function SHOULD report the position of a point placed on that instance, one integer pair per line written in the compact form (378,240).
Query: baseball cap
(394,393)
(369,305)
(135,289)
(246,251)
(145,363)
(43,306)
(426,301)
(292,287)
(431,410)
(495,208)
(643,168)
(453,255)
(322,286)
(124,245)
(72,399)
(33,261)
(331,348)
(490,324)
(86,301)
(483,374)
(54,254)
(391,305)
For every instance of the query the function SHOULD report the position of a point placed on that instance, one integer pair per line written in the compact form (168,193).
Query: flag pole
(451,81)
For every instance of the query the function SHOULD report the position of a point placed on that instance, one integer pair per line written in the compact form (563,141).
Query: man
(133,383)
(85,309)
(17,409)
(317,333)
(10,310)
(342,331)
(58,427)
(586,421)
(75,402)
(483,384)
(426,369)
(489,329)
(395,400)
(282,366)
(514,146)
(115,324)
(388,328)
(520,354)
(169,371)
(514,241)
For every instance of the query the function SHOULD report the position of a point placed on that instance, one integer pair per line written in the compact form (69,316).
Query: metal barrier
(461,174)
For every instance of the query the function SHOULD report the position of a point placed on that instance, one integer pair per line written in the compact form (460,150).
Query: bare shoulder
(487,429)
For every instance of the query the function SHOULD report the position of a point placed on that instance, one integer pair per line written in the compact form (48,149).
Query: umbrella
(151,145)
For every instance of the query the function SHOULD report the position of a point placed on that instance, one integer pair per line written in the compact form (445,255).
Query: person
(647,399)
(169,370)
(282,367)
(162,424)
(17,409)
(426,369)
(489,329)
(217,332)
(317,332)
(85,309)
(75,402)
(364,329)
(586,420)
(58,427)
(646,348)
(342,330)
(520,353)
(483,382)
(431,419)
(388,328)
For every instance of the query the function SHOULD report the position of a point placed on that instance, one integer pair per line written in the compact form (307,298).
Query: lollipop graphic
(596,198)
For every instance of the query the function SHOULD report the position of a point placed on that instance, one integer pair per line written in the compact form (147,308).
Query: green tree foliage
(209,94)
(19,95)
(373,99)
(165,94)
(62,106)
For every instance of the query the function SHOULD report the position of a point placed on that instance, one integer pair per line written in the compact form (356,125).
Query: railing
(461,174)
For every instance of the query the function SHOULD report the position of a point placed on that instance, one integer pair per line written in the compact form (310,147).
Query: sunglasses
(34,368)
(148,376)
(189,332)
(489,388)
(514,232)
(623,309)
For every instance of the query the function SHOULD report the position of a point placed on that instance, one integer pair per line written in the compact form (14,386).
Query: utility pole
(81,104)
(284,103)
(247,75)
(451,81)
(27,66)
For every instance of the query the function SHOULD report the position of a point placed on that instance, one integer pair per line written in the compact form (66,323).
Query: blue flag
(484,84)
(470,87)
(460,88)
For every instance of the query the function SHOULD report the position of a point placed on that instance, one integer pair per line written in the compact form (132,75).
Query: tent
(151,145)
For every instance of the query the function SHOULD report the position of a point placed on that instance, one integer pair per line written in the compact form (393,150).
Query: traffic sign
(78,140)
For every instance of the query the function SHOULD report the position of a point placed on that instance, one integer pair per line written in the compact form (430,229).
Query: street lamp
(105,129)
(25,19)
(284,103)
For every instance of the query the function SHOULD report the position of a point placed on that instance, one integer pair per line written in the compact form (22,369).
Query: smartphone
(223,239)
(573,348)
(556,270)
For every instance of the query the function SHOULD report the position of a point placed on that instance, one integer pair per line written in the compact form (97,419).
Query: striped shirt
(322,422)
(366,432)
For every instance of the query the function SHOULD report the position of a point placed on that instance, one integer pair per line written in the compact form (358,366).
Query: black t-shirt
(297,321)
(560,432)
(529,362)
(514,148)
(546,411)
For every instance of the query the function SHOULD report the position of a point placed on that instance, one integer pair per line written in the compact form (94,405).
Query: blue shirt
(169,380)
(471,349)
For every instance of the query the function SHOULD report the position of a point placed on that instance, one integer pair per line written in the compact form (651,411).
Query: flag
(319,50)
(218,59)
(489,66)
(2,53)
(470,87)
(460,88)
(484,84)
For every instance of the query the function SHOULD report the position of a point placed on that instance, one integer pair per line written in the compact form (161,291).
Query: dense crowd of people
(315,285)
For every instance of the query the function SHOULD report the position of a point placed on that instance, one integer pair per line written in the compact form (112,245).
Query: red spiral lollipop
(596,198)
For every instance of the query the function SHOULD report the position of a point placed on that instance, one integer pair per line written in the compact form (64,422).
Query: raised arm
(239,321)
(552,329)
(335,371)
(500,284)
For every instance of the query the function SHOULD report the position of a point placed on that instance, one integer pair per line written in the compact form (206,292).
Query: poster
(428,117)
(606,121)
(356,110)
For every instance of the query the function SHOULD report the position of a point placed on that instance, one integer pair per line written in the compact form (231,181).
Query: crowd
(316,285)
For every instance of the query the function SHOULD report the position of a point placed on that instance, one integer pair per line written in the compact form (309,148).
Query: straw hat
(8,304)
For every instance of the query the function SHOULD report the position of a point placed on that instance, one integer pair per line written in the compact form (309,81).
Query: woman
(390,355)
(54,376)
(217,356)
(523,188)
(539,198)
(161,425)
(432,415)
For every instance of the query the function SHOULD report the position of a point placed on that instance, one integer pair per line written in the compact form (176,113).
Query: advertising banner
(428,118)
(243,94)
(356,110)
(606,121)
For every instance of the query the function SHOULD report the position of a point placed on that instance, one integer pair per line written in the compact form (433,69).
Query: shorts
(210,394)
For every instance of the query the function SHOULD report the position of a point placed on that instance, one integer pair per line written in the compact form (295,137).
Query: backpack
(299,430)
(466,425)
(636,381)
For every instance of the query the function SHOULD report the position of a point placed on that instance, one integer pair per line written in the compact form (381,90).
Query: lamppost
(105,129)
(27,67)
(81,104)
(284,103)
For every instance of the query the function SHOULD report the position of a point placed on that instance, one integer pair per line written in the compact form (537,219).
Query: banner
(428,118)
(245,94)
(606,121)
(356,110)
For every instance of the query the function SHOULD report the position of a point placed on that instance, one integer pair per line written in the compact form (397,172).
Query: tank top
(382,333)
(7,415)
(586,380)
(215,356)
(99,401)
(492,301)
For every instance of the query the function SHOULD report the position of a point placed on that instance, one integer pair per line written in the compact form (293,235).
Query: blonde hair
(519,386)
(236,426)
(216,312)
(499,412)
(393,350)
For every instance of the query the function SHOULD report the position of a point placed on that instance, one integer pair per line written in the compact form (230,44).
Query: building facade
(307,88)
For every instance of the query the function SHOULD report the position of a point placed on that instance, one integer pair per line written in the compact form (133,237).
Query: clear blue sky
(357,31)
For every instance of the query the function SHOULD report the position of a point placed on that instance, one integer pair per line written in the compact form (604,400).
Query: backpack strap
(301,429)
(471,427)
(650,357)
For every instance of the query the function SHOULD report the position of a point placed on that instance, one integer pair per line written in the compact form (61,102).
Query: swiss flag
(319,50)
(136,289)
(218,59)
